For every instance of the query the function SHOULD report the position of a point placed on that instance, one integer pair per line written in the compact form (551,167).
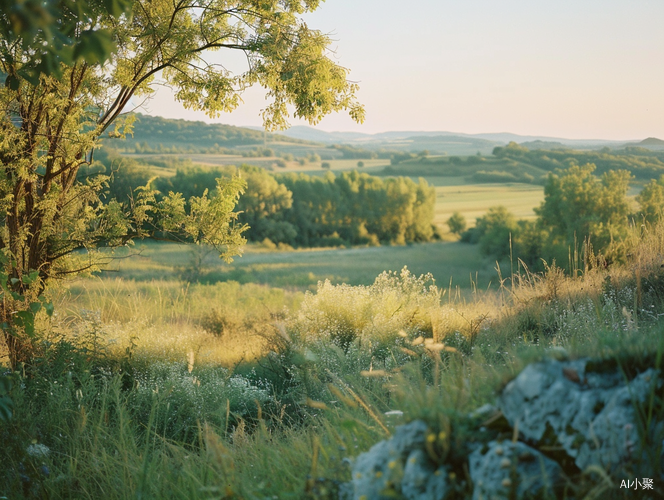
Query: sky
(578,69)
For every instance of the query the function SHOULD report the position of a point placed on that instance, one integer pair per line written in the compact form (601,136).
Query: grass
(457,262)
(119,423)
(261,383)
(221,324)
(270,163)
(157,418)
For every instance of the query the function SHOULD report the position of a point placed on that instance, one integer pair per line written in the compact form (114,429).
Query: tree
(456,223)
(578,205)
(651,199)
(52,124)
(496,230)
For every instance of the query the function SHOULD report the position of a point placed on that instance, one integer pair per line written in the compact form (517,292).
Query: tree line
(640,162)
(300,210)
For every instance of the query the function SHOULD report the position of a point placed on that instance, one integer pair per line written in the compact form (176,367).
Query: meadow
(163,389)
(173,374)
(302,269)
(134,368)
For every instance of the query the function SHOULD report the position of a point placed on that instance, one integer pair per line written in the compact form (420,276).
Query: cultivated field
(453,194)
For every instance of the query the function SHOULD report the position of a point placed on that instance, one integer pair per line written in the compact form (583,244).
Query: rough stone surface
(512,470)
(397,466)
(590,414)
(421,481)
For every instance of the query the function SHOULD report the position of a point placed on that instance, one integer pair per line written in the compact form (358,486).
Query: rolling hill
(162,135)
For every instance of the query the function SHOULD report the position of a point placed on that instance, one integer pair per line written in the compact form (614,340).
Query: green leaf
(26,319)
(6,408)
(30,278)
(118,7)
(12,82)
(49,308)
(94,46)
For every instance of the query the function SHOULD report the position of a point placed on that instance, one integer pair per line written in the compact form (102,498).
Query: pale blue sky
(575,69)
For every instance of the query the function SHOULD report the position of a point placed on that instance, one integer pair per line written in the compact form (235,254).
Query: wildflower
(38,450)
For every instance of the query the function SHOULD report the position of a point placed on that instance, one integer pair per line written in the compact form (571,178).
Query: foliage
(651,200)
(6,403)
(641,163)
(49,34)
(302,210)
(581,216)
(457,223)
(494,232)
(353,152)
(358,209)
(577,206)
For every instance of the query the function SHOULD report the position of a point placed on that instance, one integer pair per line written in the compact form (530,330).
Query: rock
(591,415)
(397,466)
(507,470)
(586,410)
(421,481)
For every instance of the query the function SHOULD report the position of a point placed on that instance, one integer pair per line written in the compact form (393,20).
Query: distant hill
(153,134)
(651,141)
(157,134)
(313,134)
(649,144)
(386,139)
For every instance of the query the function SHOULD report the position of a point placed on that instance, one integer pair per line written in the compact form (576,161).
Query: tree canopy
(579,205)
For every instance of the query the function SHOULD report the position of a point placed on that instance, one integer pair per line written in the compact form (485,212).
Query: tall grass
(151,391)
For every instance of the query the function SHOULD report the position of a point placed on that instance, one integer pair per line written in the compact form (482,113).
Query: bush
(496,229)
(374,315)
(457,223)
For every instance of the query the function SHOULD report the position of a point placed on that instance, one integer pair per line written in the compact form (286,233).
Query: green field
(473,200)
(269,163)
(302,269)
